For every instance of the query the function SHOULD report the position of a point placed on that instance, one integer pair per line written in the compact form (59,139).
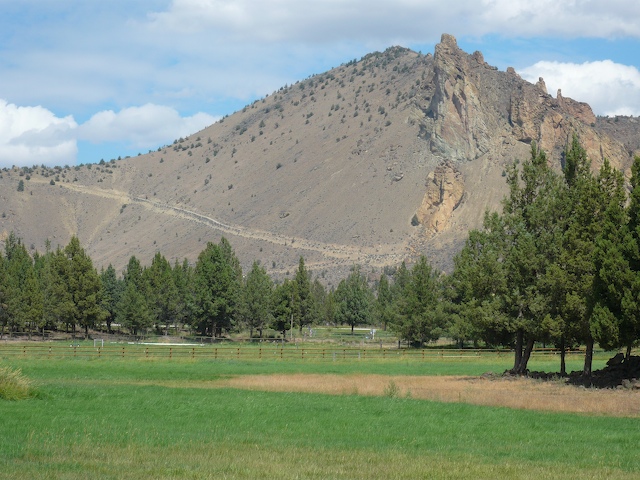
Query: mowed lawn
(105,418)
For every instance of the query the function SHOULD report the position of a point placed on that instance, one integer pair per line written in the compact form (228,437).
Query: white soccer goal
(98,342)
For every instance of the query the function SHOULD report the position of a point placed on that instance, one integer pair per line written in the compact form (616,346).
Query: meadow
(134,418)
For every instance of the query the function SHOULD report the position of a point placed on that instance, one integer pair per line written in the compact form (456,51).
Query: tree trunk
(352,325)
(627,356)
(518,350)
(588,359)
(524,360)
(563,357)
(250,333)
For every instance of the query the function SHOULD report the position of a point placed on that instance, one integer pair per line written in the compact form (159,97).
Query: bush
(14,385)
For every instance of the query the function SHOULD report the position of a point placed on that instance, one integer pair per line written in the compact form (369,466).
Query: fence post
(146,352)
(215,353)
(170,353)
(122,352)
(193,353)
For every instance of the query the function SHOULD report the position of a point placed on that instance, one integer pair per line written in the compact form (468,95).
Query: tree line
(559,265)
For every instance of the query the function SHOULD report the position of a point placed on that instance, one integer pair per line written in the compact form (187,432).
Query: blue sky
(84,80)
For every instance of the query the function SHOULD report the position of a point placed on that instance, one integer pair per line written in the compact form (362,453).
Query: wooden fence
(275,352)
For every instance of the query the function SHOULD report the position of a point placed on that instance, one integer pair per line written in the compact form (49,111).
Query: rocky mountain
(373,162)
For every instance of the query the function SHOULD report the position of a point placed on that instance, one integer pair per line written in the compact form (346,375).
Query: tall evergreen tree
(616,318)
(184,281)
(85,287)
(216,290)
(24,298)
(58,301)
(282,307)
(163,293)
(305,311)
(255,305)
(354,300)
(133,311)
(421,315)
(383,305)
(112,289)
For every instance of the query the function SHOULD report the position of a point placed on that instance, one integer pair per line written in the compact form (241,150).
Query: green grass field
(101,418)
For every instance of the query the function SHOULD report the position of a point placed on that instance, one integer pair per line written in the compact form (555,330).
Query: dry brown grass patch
(519,393)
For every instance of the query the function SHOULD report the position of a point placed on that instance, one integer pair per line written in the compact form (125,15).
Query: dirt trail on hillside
(378,256)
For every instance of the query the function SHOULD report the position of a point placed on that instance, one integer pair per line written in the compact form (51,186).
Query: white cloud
(332,21)
(610,88)
(34,135)
(142,127)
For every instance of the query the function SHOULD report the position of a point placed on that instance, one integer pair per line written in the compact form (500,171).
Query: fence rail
(246,352)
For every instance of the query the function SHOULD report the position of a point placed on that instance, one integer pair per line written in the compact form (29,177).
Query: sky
(82,80)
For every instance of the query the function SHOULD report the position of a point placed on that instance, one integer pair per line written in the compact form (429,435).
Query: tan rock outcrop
(445,189)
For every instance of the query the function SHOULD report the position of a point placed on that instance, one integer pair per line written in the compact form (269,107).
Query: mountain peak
(373,162)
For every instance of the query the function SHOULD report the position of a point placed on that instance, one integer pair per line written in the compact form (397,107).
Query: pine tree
(616,319)
(216,290)
(133,310)
(354,300)
(255,305)
(111,292)
(58,301)
(421,319)
(85,287)
(305,311)
(163,293)
(383,306)
(282,307)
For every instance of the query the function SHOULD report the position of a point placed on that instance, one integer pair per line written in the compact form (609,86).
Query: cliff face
(373,162)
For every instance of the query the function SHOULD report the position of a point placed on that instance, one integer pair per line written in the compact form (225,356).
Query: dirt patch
(519,393)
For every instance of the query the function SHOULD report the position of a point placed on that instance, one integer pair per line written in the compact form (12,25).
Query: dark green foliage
(616,318)
(84,285)
(353,300)
(383,305)
(254,309)
(111,293)
(305,310)
(163,294)
(282,307)
(133,312)
(217,280)
(420,319)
